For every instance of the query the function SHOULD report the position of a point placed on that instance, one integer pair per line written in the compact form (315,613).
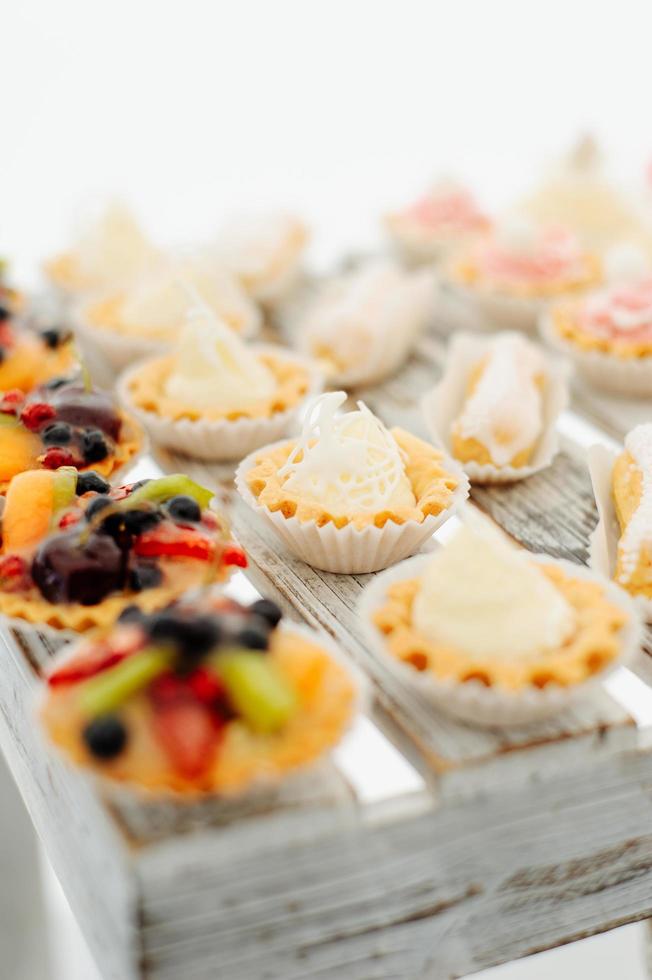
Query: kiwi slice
(8,420)
(64,488)
(156,491)
(108,690)
(257,690)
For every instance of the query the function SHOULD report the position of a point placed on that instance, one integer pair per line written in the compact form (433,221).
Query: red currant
(13,571)
(206,686)
(11,400)
(37,414)
(55,457)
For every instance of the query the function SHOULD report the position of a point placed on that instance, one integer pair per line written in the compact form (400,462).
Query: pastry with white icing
(349,491)
(215,397)
(493,633)
(437,223)
(362,325)
(264,252)
(632,494)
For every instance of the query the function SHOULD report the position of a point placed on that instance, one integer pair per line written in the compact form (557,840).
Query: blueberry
(137,521)
(92,481)
(131,614)
(184,509)
(145,575)
(93,445)
(96,505)
(5,314)
(195,636)
(55,336)
(254,635)
(57,434)
(105,736)
(268,610)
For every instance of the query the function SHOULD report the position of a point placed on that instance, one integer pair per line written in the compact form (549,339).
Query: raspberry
(233,555)
(206,686)
(168,687)
(13,571)
(56,457)
(37,414)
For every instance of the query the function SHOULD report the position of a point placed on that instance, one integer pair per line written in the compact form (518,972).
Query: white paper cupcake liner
(603,547)
(148,814)
(498,311)
(219,440)
(443,405)
(348,550)
(628,377)
(472,701)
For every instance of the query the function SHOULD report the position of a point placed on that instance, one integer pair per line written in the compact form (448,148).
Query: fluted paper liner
(630,377)
(472,701)
(603,545)
(219,440)
(349,550)
(444,403)
(492,310)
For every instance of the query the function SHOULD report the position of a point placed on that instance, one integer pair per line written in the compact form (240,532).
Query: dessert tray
(504,843)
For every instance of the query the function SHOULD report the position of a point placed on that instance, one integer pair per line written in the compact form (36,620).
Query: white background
(338,108)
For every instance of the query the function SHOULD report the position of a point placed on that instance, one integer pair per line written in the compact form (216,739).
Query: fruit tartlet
(264,252)
(147,317)
(621,545)
(362,325)
(76,552)
(214,397)
(495,635)
(438,223)
(65,422)
(608,336)
(496,407)
(204,698)
(110,251)
(507,278)
(30,355)
(350,495)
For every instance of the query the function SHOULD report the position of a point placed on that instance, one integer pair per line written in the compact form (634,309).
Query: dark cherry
(92,481)
(105,736)
(145,575)
(96,505)
(86,409)
(268,610)
(57,434)
(68,569)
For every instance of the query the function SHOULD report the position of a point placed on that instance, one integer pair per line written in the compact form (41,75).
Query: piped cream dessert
(348,469)
(363,324)
(481,610)
(111,251)
(616,321)
(437,222)
(502,416)
(632,493)
(264,252)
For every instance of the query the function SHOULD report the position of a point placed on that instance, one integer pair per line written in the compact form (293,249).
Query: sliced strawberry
(187,732)
(168,540)
(86,666)
(232,555)
(206,686)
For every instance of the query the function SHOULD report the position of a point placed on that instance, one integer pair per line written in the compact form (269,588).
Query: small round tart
(495,635)
(29,357)
(65,422)
(206,698)
(349,494)
(76,552)
(264,252)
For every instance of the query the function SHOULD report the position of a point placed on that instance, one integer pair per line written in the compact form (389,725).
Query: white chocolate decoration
(213,368)
(638,533)
(114,249)
(482,595)
(348,463)
(505,411)
(369,312)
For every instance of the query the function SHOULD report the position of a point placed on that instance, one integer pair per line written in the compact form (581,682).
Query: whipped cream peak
(626,262)
(505,409)
(213,368)
(114,249)
(638,533)
(584,158)
(349,460)
(251,242)
(482,595)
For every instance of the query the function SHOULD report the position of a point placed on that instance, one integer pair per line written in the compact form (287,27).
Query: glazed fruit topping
(92,481)
(13,573)
(105,737)
(67,568)
(170,541)
(57,434)
(55,456)
(184,509)
(35,415)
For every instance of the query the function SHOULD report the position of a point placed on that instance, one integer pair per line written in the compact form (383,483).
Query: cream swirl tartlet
(437,223)
(214,397)
(509,276)
(493,634)
(350,495)
(362,325)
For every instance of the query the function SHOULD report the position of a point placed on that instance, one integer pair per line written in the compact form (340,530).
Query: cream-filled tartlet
(215,397)
(108,253)
(362,325)
(509,276)
(264,252)
(148,317)
(496,406)
(608,336)
(494,634)
(437,223)
(350,495)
